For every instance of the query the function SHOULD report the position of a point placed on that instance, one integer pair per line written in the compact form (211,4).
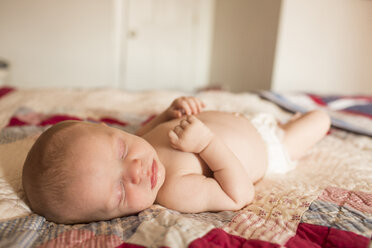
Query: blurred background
(322,46)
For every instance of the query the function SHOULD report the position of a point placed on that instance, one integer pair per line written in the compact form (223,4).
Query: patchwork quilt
(325,202)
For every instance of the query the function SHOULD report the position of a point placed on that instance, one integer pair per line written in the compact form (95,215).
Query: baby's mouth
(154,173)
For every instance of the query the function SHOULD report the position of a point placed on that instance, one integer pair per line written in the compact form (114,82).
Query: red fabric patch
(148,120)
(57,118)
(14,121)
(5,90)
(309,235)
(318,100)
(219,238)
(54,119)
(113,121)
(126,245)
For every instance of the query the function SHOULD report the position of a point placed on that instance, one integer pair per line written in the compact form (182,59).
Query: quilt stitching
(269,210)
(333,209)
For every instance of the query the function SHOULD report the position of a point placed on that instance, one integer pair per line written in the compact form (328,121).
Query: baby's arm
(179,107)
(231,188)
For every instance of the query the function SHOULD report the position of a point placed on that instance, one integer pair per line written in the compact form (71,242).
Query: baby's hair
(44,176)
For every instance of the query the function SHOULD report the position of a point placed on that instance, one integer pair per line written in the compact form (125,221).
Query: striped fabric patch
(342,209)
(36,231)
(350,113)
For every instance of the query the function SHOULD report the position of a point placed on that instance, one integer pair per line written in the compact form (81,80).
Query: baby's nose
(135,171)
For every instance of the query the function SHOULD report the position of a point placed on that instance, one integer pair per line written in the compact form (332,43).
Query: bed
(325,202)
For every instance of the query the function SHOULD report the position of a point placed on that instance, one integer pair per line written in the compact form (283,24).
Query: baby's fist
(191,135)
(185,106)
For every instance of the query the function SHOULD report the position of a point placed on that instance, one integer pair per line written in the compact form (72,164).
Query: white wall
(58,43)
(324,46)
(244,43)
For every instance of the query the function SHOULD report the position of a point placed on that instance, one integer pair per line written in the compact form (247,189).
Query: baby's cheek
(140,201)
(119,193)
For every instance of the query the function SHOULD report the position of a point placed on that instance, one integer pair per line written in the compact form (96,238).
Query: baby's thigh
(304,132)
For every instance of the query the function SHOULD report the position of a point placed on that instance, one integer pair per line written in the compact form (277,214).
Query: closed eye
(122,193)
(123,149)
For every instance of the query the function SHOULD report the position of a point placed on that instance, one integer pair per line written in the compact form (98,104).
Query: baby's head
(80,172)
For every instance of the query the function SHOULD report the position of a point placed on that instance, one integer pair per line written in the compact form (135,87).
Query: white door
(131,44)
(168,44)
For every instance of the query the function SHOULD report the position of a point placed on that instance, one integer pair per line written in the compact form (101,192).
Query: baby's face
(115,173)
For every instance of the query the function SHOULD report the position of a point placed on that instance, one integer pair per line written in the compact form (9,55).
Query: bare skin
(185,159)
(211,155)
(235,131)
(243,152)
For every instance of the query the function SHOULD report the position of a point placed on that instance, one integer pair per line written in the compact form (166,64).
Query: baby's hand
(184,106)
(191,135)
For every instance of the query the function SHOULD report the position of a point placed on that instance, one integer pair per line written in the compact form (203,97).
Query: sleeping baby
(185,159)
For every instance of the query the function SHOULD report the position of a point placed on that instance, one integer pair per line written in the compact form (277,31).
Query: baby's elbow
(245,199)
(250,197)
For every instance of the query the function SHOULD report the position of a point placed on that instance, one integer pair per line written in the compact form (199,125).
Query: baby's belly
(241,137)
(238,134)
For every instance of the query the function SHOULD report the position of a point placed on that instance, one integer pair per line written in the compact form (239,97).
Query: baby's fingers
(184,124)
(191,101)
(176,113)
(178,130)
(192,119)
(195,104)
(173,137)
(186,107)
(199,104)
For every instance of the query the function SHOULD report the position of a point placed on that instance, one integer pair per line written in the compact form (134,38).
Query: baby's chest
(182,163)
(175,162)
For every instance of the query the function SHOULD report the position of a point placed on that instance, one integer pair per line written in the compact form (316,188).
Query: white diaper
(278,158)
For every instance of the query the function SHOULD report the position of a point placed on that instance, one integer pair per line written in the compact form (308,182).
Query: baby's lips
(154,173)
